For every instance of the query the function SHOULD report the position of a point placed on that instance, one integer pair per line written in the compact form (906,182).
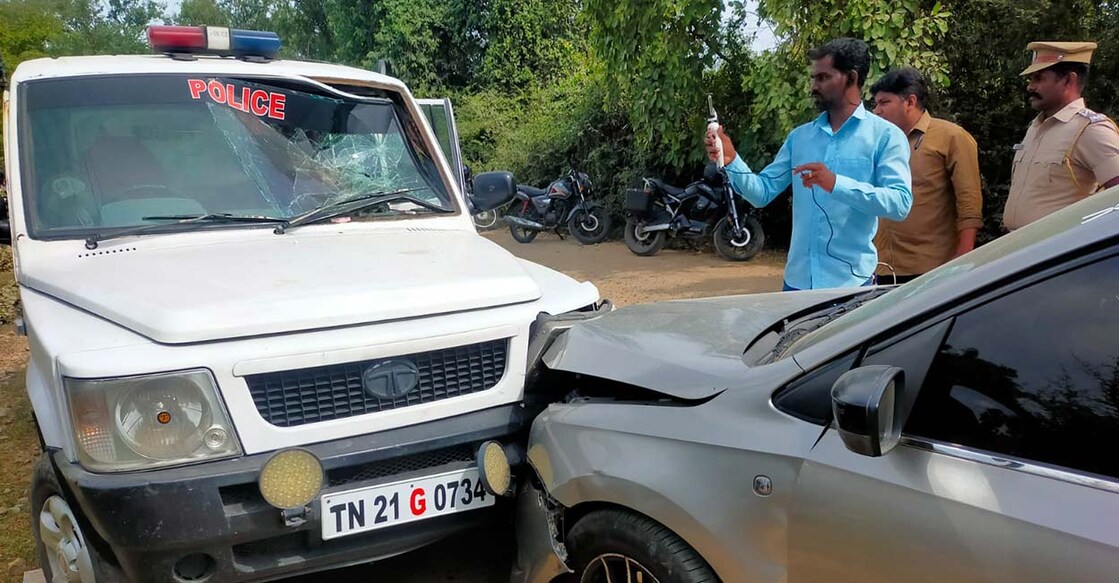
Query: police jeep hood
(686,349)
(263,284)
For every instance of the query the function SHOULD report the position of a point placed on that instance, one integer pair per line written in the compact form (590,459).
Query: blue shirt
(833,233)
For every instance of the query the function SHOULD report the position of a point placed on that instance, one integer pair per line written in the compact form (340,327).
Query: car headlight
(149,421)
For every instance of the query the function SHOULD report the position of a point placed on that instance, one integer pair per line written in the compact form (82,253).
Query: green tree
(902,32)
(655,53)
(202,12)
(25,31)
(529,41)
(93,27)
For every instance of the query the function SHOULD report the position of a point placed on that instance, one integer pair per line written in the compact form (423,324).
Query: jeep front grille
(298,397)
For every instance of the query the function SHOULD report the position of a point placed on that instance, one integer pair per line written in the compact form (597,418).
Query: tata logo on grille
(390,379)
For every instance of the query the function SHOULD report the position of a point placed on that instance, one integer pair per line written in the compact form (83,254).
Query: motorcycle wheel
(485,219)
(521,234)
(590,226)
(741,248)
(641,243)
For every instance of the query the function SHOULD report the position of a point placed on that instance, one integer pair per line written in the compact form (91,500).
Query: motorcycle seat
(668,188)
(531,191)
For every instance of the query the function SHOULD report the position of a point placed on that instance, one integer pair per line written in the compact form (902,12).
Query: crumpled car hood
(687,349)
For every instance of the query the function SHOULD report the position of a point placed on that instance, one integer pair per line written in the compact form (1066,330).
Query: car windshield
(118,152)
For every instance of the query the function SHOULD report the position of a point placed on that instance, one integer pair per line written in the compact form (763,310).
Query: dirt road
(626,279)
(620,276)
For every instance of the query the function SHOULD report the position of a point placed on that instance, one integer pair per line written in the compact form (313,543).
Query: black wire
(831,230)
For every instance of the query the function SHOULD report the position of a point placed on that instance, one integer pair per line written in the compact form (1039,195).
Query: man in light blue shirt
(852,168)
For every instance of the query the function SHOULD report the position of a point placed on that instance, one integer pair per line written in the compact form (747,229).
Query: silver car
(961,427)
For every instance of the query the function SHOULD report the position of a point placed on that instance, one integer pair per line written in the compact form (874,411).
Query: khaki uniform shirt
(947,198)
(1062,160)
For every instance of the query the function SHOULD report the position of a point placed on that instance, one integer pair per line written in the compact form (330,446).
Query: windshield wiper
(92,240)
(817,320)
(358,202)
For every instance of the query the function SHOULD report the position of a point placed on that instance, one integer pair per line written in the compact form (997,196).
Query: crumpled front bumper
(540,555)
(154,520)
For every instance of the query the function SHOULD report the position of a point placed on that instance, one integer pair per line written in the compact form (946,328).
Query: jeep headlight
(149,421)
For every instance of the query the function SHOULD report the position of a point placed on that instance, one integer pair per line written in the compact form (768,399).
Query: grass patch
(20,445)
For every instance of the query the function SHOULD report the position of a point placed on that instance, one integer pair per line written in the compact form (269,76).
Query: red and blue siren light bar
(213,40)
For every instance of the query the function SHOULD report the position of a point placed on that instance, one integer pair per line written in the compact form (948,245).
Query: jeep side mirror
(867,408)
(492,190)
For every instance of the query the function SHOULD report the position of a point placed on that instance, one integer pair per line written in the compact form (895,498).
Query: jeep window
(1033,375)
(102,153)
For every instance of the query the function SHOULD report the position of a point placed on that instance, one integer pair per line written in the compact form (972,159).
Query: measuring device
(713,126)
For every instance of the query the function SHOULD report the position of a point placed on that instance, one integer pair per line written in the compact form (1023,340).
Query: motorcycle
(705,208)
(564,202)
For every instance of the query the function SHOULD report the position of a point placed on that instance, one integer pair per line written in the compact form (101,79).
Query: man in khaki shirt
(1069,150)
(947,198)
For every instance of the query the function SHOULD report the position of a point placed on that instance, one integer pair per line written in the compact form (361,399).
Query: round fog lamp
(493,468)
(291,479)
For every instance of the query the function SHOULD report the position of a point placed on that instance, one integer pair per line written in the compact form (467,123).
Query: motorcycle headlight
(149,421)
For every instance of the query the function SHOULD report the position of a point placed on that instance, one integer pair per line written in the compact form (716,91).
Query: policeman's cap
(1047,54)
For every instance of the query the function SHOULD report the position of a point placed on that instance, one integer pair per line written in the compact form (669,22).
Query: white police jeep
(266,337)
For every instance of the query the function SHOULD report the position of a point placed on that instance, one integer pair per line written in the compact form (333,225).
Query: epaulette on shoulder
(1092,116)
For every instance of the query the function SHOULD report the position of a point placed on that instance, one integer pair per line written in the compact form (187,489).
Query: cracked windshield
(135,151)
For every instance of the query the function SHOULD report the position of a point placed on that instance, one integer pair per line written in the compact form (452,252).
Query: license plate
(366,509)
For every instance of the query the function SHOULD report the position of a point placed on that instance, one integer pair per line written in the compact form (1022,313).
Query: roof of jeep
(205,65)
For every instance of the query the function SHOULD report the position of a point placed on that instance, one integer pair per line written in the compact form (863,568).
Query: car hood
(198,292)
(687,349)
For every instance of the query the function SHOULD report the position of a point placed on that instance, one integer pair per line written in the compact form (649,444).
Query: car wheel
(623,547)
(65,550)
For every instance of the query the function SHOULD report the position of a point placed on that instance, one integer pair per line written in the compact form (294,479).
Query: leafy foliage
(619,86)
(900,33)
(654,53)
(987,94)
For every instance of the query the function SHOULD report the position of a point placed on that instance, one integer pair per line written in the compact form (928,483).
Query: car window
(1033,374)
(809,397)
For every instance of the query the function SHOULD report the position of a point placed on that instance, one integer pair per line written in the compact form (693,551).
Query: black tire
(590,226)
(651,244)
(600,537)
(44,486)
(522,235)
(736,250)
(485,220)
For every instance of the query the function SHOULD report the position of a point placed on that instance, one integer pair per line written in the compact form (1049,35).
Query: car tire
(606,539)
(49,505)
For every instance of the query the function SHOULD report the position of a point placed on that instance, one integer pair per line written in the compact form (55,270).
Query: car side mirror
(867,408)
(492,190)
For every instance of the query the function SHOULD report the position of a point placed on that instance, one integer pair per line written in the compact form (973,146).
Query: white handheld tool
(713,127)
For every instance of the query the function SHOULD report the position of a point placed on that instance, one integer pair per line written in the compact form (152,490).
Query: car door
(441,117)
(1008,468)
